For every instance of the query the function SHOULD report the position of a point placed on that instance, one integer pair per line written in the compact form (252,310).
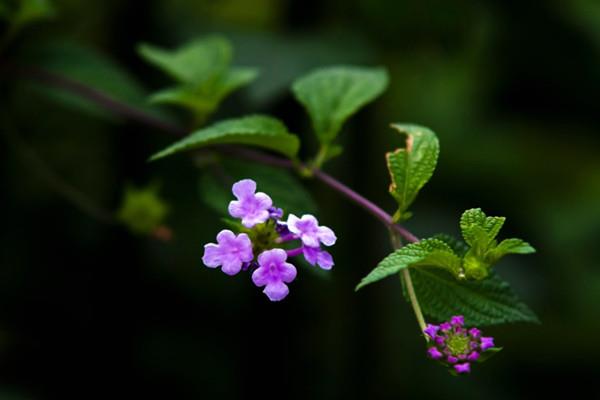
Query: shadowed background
(89,310)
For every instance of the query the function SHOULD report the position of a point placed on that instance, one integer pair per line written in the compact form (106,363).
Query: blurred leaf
(142,210)
(92,69)
(331,95)
(202,67)
(411,167)
(199,61)
(24,12)
(204,99)
(255,130)
(426,253)
(487,302)
(285,189)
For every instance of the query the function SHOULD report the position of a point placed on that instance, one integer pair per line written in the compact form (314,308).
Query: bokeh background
(90,310)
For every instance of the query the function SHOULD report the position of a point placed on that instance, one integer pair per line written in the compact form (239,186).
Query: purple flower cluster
(264,234)
(456,346)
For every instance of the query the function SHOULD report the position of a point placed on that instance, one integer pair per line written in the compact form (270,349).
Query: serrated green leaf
(255,130)
(284,189)
(426,253)
(331,95)
(487,302)
(458,246)
(478,230)
(411,167)
(94,70)
(509,246)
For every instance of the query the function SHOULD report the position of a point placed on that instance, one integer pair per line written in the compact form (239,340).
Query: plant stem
(127,111)
(405,276)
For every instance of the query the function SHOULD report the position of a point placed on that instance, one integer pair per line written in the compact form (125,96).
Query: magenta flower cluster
(456,346)
(260,248)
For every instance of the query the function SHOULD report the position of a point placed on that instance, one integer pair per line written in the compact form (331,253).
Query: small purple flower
(253,208)
(308,230)
(314,255)
(275,213)
(431,330)
(457,346)
(230,253)
(487,343)
(463,368)
(273,272)
(434,353)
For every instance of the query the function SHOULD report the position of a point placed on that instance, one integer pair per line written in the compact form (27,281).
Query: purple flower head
(463,368)
(308,230)
(314,255)
(230,253)
(431,330)
(273,273)
(252,208)
(275,213)
(456,345)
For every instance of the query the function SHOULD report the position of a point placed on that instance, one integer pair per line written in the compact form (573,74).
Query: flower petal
(212,255)
(276,291)
(244,188)
(231,265)
(263,200)
(260,276)
(236,209)
(287,272)
(292,222)
(326,236)
(325,260)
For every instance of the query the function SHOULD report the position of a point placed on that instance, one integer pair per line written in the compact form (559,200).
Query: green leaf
(509,246)
(458,246)
(487,302)
(412,166)
(255,130)
(426,253)
(284,189)
(142,210)
(88,67)
(331,95)
(205,99)
(202,69)
(25,12)
(479,230)
(199,61)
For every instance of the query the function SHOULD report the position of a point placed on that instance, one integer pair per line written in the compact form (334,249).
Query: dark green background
(89,310)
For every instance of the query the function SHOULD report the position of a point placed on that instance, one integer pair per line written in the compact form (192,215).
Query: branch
(135,114)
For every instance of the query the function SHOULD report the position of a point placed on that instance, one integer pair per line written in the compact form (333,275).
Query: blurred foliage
(142,210)
(512,90)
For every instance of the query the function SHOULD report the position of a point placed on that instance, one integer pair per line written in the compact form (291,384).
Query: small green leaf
(202,69)
(426,253)
(412,166)
(255,130)
(509,246)
(199,61)
(479,230)
(458,246)
(284,189)
(142,210)
(331,95)
(487,302)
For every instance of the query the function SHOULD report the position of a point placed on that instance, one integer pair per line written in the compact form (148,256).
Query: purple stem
(294,252)
(287,238)
(136,114)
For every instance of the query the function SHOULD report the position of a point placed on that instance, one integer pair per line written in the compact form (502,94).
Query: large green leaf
(331,95)
(284,188)
(411,166)
(426,253)
(255,130)
(90,68)
(487,302)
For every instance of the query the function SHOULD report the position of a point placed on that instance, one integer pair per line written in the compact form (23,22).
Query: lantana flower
(456,346)
(263,248)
